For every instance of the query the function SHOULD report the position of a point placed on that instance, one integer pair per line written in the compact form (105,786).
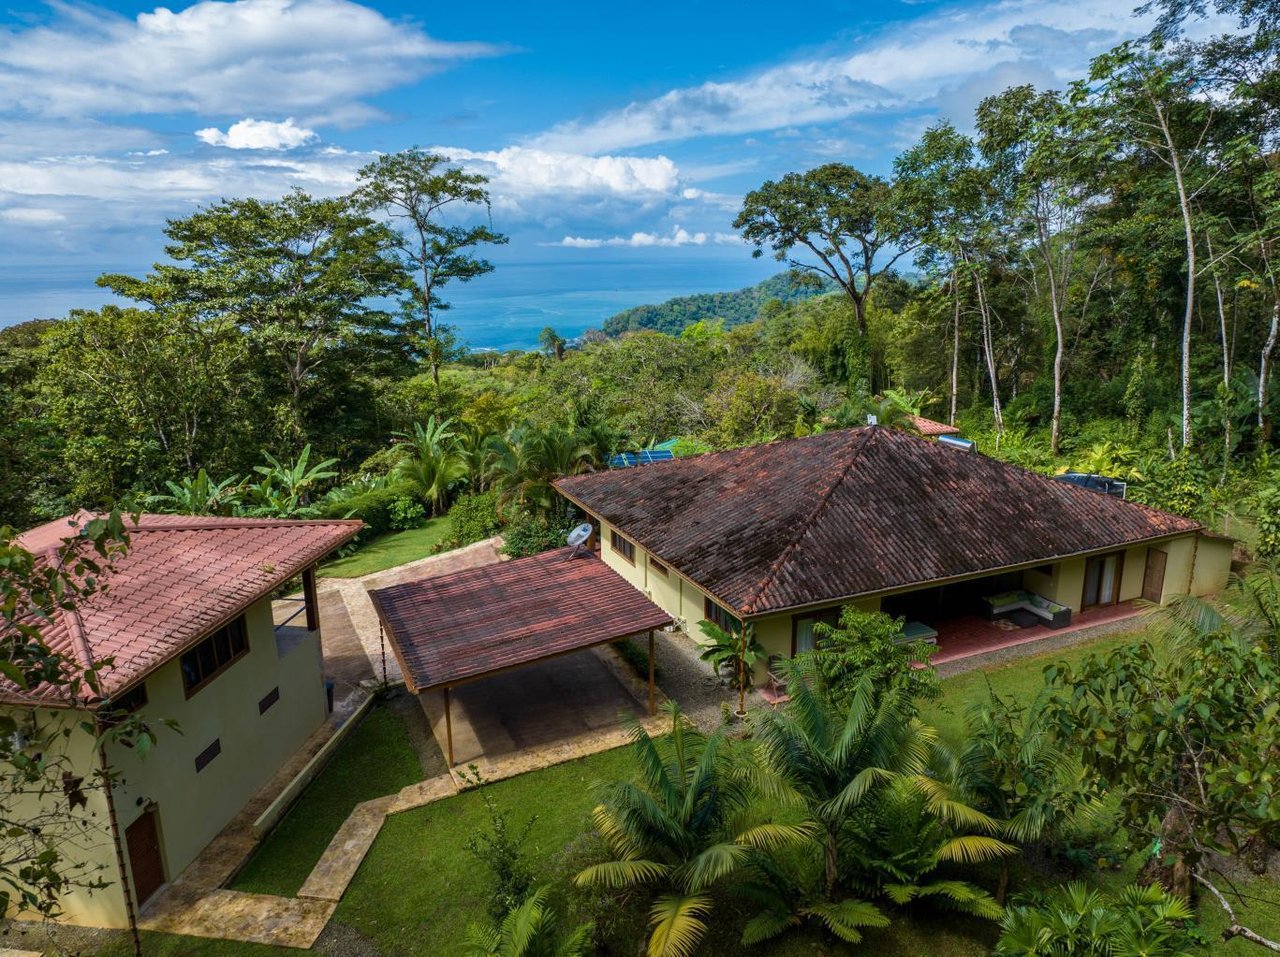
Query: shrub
(871,643)
(500,848)
(531,534)
(474,518)
(373,507)
(406,513)
(1083,923)
(1267,511)
(636,655)
(1176,485)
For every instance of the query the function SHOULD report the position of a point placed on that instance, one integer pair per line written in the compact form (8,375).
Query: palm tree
(1078,922)
(431,437)
(1248,610)
(529,930)
(915,826)
(432,474)
(198,495)
(828,764)
(1012,764)
(524,463)
(682,828)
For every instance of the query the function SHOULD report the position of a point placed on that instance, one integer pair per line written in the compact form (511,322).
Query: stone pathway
(355,623)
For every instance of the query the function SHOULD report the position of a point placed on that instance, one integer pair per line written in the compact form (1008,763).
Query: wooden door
(1153,577)
(142,838)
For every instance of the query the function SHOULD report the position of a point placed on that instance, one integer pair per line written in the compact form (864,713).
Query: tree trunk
(1055,434)
(955,346)
(988,349)
(1264,369)
(1226,374)
(831,863)
(1184,204)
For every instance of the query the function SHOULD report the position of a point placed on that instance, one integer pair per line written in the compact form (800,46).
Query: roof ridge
(865,435)
(206,522)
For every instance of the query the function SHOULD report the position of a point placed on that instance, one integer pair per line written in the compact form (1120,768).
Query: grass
(389,550)
(1020,679)
(424,851)
(375,760)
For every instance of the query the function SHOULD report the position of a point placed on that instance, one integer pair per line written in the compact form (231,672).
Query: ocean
(506,309)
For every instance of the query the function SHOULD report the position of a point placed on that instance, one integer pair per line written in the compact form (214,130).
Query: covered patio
(519,636)
(971,635)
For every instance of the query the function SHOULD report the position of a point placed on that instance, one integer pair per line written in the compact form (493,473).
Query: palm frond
(678,924)
(618,874)
(846,918)
(974,849)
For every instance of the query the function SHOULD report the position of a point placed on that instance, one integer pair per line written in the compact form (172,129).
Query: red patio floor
(972,635)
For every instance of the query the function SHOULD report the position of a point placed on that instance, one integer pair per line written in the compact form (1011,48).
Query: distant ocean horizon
(506,309)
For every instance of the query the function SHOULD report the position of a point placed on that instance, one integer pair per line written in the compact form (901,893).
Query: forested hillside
(735,308)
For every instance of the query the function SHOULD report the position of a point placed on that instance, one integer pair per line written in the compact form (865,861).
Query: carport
(470,625)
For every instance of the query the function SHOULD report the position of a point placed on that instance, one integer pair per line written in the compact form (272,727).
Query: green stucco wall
(192,807)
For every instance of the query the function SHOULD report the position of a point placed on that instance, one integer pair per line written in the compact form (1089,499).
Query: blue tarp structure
(626,460)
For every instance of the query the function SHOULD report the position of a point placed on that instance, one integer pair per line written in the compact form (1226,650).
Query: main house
(188,618)
(783,535)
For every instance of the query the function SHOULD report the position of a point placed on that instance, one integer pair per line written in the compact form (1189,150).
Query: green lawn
(389,550)
(1020,680)
(375,760)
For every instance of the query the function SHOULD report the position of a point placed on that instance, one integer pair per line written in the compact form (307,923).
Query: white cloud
(32,216)
(520,171)
(679,236)
(314,58)
(251,134)
(914,65)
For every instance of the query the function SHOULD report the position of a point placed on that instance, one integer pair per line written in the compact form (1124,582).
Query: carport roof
(455,628)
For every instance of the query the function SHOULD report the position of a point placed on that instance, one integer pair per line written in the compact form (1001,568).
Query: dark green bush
(1267,515)
(374,508)
(406,513)
(474,517)
(531,534)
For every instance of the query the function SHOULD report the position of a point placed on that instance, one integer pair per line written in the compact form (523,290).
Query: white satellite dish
(578,535)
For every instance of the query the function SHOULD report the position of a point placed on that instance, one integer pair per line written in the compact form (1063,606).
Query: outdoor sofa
(1053,614)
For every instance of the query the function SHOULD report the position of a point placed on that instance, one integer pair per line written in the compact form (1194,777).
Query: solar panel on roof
(626,460)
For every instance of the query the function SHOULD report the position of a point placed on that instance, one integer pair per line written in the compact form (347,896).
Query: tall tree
(1141,104)
(846,220)
(140,395)
(298,274)
(947,196)
(419,191)
(1026,137)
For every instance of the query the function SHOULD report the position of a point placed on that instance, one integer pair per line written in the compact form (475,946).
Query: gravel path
(687,680)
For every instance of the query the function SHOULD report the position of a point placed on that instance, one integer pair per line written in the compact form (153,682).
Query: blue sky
(619,138)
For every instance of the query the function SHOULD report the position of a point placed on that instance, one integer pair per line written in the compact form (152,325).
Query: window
(721,616)
(268,700)
(118,707)
(208,754)
(804,636)
(214,655)
(658,567)
(623,547)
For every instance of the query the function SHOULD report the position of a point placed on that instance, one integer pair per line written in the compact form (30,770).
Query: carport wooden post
(448,726)
(652,709)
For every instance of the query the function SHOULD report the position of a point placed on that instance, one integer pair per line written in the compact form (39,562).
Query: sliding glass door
(1102,580)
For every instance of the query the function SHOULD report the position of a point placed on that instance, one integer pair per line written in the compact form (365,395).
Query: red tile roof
(456,627)
(852,512)
(182,577)
(928,427)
